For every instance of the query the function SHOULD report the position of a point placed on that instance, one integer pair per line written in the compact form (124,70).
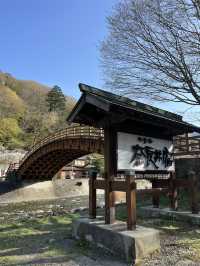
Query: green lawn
(26,239)
(38,238)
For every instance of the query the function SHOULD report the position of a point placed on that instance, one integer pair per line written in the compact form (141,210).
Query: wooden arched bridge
(50,154)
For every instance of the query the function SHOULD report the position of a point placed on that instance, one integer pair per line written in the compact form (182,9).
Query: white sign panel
(141,153)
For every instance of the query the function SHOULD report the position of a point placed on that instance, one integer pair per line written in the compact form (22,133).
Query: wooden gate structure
(105,115)
(115,114)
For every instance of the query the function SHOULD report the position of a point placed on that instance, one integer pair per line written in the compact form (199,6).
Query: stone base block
(131,246)
(166,213)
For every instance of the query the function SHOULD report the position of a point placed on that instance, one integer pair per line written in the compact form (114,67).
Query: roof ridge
(125,100)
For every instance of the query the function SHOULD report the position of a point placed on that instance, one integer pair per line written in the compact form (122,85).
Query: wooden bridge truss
(50,154)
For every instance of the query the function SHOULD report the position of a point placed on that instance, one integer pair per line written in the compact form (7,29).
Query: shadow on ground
(29,240)
(39,240)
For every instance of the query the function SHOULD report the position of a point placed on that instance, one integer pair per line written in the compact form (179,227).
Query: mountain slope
(24,103)
(10,103)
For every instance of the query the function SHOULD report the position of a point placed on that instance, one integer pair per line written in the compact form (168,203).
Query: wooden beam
(98,102)
(92,196)
(111,118)
(173,192)
(175,127)
(131,203)
(109,203)
(156,191)
(116,185)
(99,184)
(184,183)
(110,170)
(155,196)
(121,186)
(162,183)
(194,192)
(152,172)
(79,105)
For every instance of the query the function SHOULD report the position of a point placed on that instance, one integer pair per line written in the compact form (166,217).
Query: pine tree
(56,100)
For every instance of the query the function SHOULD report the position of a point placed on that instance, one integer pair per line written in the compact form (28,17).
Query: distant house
(78,168)
(3,172)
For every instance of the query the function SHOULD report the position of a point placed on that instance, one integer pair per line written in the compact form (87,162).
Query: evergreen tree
(56,100)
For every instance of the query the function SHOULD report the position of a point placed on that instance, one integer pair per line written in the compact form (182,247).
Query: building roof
(128,103)
(96,105)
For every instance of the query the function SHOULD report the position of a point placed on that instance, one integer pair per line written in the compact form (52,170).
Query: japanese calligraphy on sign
(142,153)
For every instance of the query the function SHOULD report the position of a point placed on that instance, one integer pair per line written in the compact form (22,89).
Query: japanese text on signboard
(144,153)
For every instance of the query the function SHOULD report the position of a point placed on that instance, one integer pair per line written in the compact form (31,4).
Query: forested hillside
(25,113)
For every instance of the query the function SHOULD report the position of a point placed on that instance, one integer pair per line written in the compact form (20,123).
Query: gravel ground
(180,243)
(171,254)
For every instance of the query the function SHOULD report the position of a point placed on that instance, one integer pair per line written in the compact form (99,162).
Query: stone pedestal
(131,246)
(166,213)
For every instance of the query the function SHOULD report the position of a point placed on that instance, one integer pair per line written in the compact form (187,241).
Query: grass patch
(191,240)
(25,239)
(41,238)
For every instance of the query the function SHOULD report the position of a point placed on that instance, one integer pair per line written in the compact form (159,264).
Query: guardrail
(187,145)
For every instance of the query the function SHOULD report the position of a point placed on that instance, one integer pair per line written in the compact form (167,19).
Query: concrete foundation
(183,216)
(130,246)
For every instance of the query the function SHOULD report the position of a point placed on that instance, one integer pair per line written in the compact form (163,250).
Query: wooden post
(194,192)
(110,171)
(155,196)
(109,203)
(187,142)
(92,196)
(131,202)
(173,192)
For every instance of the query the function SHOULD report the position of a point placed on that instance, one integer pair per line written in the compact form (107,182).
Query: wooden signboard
(142,153)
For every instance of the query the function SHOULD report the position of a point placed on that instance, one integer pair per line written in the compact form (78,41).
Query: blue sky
(53,41)
(56,42)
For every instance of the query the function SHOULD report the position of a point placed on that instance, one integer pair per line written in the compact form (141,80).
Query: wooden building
(122,118)
(79,168)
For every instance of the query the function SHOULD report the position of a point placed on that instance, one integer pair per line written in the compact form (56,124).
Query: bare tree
(153,50)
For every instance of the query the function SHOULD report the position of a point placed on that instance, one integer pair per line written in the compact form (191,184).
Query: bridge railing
(187,145)
(69,132)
